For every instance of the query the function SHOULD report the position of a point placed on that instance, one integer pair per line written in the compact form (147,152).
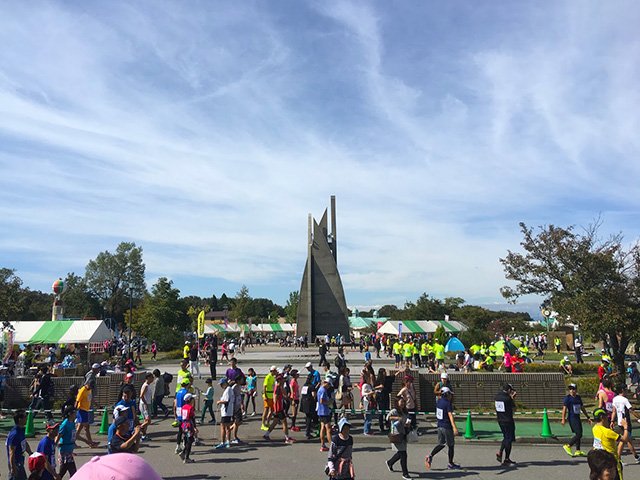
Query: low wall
(17,389)
(472,390)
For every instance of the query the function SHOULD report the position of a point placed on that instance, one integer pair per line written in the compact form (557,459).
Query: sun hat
(188,397)
(117,466)
(343,421)
(566,358)
(37,461)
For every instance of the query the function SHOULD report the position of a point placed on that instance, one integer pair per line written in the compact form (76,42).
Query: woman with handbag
(400,424)
(408,392)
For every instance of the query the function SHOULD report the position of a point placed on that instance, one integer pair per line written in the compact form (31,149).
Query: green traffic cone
(104,427)
(469,432)
(546,427)
(29,430)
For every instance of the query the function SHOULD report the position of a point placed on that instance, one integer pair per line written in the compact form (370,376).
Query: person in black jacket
(45,390)
(505,406)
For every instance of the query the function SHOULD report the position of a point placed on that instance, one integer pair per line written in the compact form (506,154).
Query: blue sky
(207,131)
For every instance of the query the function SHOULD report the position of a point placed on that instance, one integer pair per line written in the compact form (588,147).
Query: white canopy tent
(61,332)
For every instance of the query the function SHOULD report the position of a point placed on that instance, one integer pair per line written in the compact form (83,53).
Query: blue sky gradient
(207,131)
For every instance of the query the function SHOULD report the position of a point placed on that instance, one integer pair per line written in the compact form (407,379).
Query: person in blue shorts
(16,446)
(66,441)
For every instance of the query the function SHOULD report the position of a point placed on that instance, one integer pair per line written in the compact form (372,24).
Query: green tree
(592,282)
(291,309)
(388,311)
(35,305)
(78,301)
(10,295)
(440,335)
(242,308)
(108,277)
(162,317)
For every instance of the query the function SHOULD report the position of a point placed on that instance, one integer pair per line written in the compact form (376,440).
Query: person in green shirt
(424,353)
(487,363)
(438,349)
(182,373)
(267,396)
(565,366)
(397,352)
(492,351)
(407,351)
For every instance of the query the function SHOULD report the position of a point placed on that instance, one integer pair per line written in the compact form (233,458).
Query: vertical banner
(201,324)
(400,330)
(7,345)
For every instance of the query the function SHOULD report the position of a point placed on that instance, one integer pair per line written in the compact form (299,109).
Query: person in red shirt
(279,414)
(188,426)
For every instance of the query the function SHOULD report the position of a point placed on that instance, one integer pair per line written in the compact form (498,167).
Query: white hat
(273,367)
(186,343)
(95,365)
(444,375)
(566,358)
(308,365)
(188,397)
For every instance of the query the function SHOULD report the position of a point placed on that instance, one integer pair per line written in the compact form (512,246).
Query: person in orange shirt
(83,404)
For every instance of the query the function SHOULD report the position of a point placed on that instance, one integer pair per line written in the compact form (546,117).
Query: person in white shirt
(146,401)
(621,415)
(226,403)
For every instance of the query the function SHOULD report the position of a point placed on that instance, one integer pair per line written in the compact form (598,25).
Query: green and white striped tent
(275,327)
(392,327)
(219,327)
(63,331)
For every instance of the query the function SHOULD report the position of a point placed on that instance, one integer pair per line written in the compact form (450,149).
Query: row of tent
(89,331)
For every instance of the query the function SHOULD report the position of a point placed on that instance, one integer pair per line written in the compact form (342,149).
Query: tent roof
(219,327)
(358,323)
(276,327)
(420,326)
(63,331)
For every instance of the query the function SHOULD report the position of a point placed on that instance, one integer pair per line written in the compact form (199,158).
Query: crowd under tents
(265,328)
(408,327)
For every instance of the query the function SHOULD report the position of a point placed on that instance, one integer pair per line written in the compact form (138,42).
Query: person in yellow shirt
(424,353)
(438,350)
(267,396)
(606,439)
(407,351)
(397,351)
(185,351)
(83,404)
(182,374)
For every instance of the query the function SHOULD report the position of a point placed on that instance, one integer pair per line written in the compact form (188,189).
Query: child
(208,402)
(47,448)
(226,402)
(252,380)
(188,426)
(340,463)
(367,354)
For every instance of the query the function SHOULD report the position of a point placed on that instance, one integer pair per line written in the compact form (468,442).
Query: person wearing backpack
(340,362)
(340,462)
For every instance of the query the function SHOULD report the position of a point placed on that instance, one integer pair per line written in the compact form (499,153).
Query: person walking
(158,394)
(505,406)
(606,439)
(212,353)
(16,446)
(573,406)
(400,422)
(339,461)
(621,416)
(252,382)
(208,402)
(447,429)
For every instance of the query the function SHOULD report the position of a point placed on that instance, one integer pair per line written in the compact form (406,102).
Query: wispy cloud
(206,132)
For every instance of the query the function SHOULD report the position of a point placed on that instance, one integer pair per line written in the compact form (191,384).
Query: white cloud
(207,135)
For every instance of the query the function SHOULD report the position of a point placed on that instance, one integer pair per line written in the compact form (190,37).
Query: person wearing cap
(66,441)
(188,426)
(226,404)
(605,369)
(47,447)
(621,418)
(340,461)
(123,440)
(16,446)
(267,396)
(92,375)
(83,405)
(37,464)
(127,382)
(573,405)
(565,366)
(447,429)
(505,405)
(606,439)
(323,408)
(185,351)
(279,414)
(400,425)
(177,411)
